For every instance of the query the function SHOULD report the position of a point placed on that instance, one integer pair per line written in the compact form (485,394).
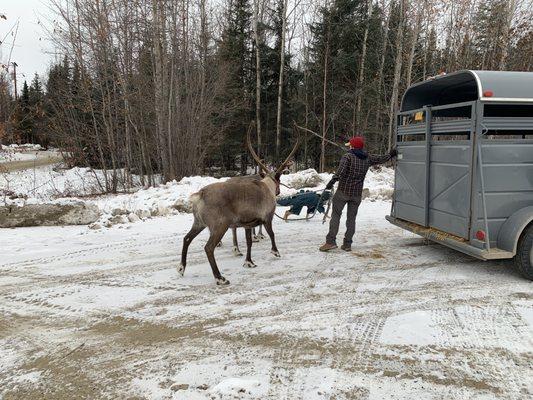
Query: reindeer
(255,237)
(236,203)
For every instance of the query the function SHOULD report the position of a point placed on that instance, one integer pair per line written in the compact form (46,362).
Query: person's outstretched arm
(381,159)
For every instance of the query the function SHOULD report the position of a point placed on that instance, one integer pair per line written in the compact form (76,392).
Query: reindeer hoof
(221,281)
(237,252)
(249,264)
(181,269)
(275,253)
(219,244)
(255,238)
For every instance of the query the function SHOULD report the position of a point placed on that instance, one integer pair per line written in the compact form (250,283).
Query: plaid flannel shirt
(352,171)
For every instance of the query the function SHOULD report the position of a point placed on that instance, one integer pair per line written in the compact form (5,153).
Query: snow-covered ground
(104,314)
(49,184)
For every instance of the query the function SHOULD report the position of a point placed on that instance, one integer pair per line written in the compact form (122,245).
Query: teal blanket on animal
(311,200)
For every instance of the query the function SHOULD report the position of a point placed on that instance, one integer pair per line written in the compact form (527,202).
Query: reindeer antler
(252,151)
(282,166)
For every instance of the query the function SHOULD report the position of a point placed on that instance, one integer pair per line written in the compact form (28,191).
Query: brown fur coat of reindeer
(255,237)
(236,203)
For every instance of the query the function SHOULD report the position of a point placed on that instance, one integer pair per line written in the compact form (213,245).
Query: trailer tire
(524,253)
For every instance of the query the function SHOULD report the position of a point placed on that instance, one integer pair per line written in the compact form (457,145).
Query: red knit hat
(356,142)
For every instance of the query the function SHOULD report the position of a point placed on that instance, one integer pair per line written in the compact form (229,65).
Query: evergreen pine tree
(235,52)
(23,121)
(37,110)
(335,39)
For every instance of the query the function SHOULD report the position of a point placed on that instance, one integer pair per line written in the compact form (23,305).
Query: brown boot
(327,247)
(346,247)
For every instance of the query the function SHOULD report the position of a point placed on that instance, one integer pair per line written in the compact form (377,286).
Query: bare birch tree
(257,75)
(281,74)
(393,106)
(359,89)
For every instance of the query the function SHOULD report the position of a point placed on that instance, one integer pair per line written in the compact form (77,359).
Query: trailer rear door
(434,171)
(450,169)
(411,170)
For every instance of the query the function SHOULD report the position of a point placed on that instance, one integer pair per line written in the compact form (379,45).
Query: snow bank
(380,183)
(46,184)
(173,197)
(169,198)
(308,178)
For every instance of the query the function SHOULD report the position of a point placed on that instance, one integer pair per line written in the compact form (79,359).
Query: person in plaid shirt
(351,176)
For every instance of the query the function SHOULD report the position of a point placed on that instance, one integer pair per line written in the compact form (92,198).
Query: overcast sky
(30,50)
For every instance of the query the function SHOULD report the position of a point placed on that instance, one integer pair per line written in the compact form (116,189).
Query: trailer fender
(512,229)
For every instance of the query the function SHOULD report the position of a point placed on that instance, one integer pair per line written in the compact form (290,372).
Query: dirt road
(103,314)
(42,158)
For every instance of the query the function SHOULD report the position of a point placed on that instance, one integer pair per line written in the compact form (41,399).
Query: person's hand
(330,184)
(393,153)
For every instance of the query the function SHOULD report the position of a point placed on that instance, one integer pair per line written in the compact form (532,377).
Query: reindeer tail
(195,198)
(197,203)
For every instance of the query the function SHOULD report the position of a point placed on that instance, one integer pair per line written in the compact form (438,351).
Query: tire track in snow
(107,273)
(281,370)
(484,328)
(121,245)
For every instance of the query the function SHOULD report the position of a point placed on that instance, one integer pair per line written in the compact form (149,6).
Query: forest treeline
(168,87)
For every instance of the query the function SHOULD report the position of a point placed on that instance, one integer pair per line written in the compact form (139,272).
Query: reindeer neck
(271,183)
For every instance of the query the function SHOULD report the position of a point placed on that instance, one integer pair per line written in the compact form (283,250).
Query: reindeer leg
(255,238)
(236,250)
(259,236)
(270,231)
(195,230)
(214,238)
(249,263)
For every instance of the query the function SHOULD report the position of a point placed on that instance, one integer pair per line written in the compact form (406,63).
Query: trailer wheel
(524,253)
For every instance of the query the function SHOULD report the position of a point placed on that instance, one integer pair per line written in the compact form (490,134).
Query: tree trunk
(159,87)
(511,8)
(280,81)
(416,32)
(380,106)
(324,106)
(257,77)
(397,74)
(359,90)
